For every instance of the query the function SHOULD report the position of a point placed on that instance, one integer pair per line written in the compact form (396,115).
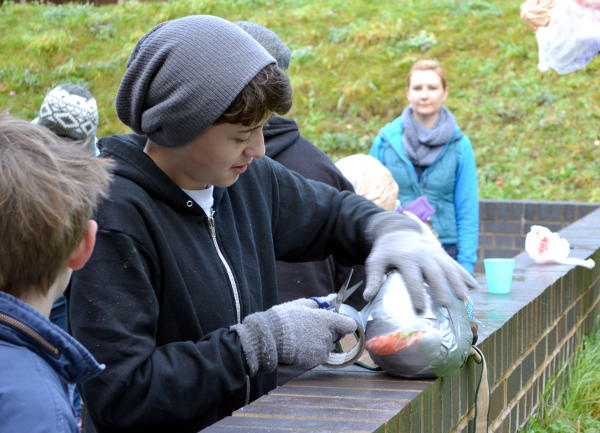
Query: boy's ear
(83,251)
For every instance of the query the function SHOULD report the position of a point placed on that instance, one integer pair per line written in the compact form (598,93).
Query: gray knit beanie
(183,74)
(268,39)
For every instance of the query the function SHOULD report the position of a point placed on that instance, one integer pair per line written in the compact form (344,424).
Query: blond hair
(427,65)
(48,191)
(371,179)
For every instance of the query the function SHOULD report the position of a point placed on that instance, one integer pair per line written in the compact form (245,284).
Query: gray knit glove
(296,333)
(399,243)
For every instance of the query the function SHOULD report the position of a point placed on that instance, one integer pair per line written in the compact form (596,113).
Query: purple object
(420,207)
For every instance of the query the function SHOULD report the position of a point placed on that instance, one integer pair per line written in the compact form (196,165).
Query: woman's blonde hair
(48,191)
(427,65)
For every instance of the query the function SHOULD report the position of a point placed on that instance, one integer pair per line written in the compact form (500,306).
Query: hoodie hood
(280,134)
(133,164)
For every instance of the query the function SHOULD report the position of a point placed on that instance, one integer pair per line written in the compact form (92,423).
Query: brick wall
(531,334)
(527,336)
(503,224)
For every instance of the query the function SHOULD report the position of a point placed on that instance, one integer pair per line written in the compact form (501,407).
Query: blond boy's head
(48,191)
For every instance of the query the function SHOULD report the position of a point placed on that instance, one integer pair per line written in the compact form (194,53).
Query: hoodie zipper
(30,333)
(236,295)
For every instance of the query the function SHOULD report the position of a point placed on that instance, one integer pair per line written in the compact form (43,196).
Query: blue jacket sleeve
(377,148)
(466,202)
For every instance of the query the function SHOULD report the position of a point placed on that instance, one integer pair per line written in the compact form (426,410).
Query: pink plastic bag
(571,39)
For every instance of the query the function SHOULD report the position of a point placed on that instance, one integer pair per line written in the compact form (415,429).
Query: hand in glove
(399,242)
(296,333)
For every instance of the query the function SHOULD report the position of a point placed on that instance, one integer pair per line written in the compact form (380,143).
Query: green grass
(577,406)
(535,135)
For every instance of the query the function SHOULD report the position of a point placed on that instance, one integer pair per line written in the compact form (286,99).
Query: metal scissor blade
(351,290)
(345,292)
(342,292)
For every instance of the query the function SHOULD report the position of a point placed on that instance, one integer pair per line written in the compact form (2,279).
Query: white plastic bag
(403,343)
(544,246)
(536,13)
(571,39)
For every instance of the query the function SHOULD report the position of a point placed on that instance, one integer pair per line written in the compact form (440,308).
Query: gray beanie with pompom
(184,74)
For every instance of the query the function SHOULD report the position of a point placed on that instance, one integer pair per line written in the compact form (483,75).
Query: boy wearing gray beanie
(178,299)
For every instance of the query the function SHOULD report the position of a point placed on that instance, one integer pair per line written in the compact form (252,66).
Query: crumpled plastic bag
(406,344)
(536,13)
(570,40)
(403,343)
(545,246)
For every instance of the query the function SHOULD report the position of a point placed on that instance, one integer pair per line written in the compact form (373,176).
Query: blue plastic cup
(498,274)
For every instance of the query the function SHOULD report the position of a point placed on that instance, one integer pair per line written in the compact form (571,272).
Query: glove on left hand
(296,333)
(399,242)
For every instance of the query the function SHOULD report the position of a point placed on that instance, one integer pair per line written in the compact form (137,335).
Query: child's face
(426,92)
(218,156)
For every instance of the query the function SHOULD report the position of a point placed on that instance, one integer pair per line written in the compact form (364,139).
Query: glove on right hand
(399,243)
(296,333)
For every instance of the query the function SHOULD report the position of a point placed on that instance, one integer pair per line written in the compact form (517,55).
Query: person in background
(48,191)
(179,298)
(371,179)
(429,156)
(285,144)
(71,112)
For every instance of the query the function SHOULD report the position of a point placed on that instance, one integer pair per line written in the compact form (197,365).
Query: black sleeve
(313,220)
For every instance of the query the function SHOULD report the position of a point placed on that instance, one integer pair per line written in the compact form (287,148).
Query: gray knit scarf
(422,145)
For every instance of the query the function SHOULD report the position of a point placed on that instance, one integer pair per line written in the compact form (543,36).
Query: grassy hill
(536,136)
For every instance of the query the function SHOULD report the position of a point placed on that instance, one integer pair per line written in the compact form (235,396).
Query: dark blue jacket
(39,367)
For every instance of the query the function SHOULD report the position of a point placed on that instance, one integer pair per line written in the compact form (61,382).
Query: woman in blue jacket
(429,156)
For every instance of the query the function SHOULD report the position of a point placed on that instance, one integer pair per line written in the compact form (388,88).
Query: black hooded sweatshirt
(285,145)
(155,301)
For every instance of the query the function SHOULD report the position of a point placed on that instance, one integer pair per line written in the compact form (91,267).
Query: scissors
(344,293)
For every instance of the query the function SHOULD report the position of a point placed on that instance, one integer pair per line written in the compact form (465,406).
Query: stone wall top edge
(549,202)
(585,226)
